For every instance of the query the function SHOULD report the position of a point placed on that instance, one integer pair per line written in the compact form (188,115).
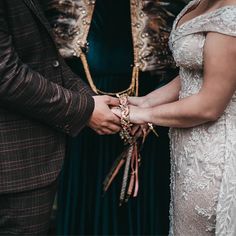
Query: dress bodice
(187,42)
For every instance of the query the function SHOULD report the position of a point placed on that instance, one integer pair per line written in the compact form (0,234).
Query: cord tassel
(132,174)
(111,176)
(131,157)
(136,173)
(126,174)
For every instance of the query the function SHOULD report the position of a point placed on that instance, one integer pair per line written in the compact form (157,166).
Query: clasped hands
(106,115)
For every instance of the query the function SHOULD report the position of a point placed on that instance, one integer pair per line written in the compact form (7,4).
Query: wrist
(145,102)
(147,115)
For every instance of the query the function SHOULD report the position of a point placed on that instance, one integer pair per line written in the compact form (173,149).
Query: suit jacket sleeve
(28,92)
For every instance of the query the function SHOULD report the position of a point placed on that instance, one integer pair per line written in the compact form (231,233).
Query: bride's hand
(136,114)
(137,129)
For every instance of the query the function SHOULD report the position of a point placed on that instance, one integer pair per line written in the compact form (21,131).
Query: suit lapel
(35,8)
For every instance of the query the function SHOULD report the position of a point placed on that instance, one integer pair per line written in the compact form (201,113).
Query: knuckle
(106,98)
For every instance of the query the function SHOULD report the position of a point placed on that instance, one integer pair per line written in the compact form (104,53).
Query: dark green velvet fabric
(82,207)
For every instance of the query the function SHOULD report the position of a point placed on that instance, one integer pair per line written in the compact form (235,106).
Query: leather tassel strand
(126,174)
(119,162)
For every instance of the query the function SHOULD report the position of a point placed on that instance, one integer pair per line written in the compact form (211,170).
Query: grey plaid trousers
(28,212)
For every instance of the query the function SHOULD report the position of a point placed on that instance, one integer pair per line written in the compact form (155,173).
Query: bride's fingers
(139,133)
(116,111)
(145,128)
(135,128)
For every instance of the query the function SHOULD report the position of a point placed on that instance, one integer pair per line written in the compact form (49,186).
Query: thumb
(113,101)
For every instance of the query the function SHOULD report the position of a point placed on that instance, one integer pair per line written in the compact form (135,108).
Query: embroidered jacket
(151,22)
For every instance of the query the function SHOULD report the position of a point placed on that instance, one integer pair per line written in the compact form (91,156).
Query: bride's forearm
(166,94)
(185,113)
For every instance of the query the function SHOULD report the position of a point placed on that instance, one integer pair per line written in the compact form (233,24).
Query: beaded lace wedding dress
(203,169)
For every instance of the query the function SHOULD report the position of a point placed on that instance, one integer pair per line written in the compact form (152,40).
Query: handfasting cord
(130,156)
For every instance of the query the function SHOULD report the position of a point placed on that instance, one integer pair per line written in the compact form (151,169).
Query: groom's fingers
(111,129)
(106,131)
(114,120)
(114,128)
(111,101)
(116,111)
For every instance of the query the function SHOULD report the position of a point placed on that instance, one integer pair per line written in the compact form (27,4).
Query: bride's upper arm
(219,83)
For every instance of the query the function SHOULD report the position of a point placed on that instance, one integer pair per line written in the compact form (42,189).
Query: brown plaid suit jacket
(41,100)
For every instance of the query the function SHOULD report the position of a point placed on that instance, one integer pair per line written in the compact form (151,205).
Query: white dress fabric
(203,158)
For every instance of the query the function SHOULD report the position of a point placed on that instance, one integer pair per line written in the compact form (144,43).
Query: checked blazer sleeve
(28,92)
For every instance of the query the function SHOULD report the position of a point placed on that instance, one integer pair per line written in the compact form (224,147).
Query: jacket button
(55,63)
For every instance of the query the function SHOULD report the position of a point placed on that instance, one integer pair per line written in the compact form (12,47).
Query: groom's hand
(103,121)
